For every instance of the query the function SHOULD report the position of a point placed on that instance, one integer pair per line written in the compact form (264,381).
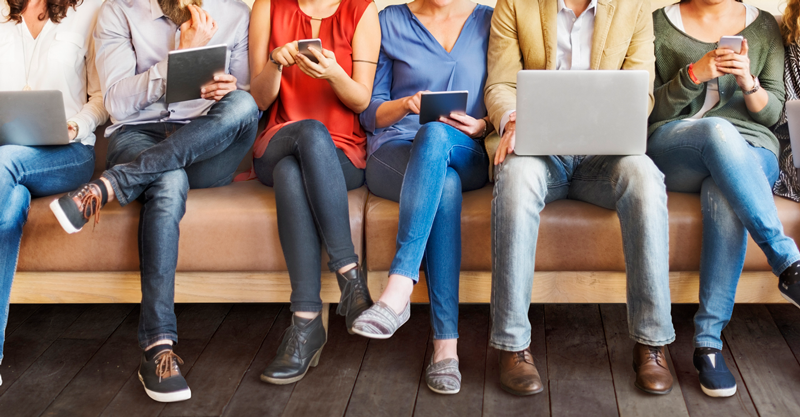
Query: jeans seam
(377,159)
(406,274)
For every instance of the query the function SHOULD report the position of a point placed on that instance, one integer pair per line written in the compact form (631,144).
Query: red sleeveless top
(302,97)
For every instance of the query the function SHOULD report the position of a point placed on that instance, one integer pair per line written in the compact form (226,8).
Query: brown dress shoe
(518,374)
(652,372)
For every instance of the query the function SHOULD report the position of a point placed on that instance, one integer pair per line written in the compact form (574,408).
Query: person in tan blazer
(580,35)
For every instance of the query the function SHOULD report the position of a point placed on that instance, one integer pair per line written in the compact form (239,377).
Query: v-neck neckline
(28,29)
(430,35)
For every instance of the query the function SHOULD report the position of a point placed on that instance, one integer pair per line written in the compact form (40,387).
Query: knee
(719,135)
(241,106)
(432,139)
(286,171)
(172,187)
(519,179)
(640,175)
(313,135)
(9,168)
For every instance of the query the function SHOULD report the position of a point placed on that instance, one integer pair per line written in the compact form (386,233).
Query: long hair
(790,28)
(55,9)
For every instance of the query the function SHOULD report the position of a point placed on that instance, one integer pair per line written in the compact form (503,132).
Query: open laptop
(582,112)
(32,118)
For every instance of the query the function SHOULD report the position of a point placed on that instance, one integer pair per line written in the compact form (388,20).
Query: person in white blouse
(45,45)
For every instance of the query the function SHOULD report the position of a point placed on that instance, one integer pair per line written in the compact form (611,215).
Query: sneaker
(355,298)
(301,348)
(73,210)
(162,377)
(789,284)
(715,378)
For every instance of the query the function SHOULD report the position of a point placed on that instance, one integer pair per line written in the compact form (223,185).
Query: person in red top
(313,152)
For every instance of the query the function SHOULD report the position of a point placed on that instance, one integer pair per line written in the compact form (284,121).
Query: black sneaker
(789,284)
(355,298)
(715,378)
(162,377)
(301,348)
(73,210)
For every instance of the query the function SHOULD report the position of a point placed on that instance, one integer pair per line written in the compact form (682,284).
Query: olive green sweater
(678,97)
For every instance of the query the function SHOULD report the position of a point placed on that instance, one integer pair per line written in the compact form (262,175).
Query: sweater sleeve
(771,78)
(674,95)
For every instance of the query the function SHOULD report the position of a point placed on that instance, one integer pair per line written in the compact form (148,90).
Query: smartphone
(304,44)
(733,43)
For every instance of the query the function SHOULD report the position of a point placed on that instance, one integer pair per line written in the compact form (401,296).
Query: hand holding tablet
(190,70)
(434,105)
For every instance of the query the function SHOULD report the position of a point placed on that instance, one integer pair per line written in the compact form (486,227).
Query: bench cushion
(573,236)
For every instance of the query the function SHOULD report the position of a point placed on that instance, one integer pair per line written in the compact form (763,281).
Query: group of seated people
(352,117)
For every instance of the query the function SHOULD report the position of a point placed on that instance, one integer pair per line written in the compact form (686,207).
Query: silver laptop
(582,112)
(32,118)
(793,119)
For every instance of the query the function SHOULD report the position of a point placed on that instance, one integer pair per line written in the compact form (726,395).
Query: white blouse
(61,58)
(712,87)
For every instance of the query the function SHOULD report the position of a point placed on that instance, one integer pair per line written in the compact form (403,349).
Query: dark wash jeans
(311,178)
(427,176)
(157,163)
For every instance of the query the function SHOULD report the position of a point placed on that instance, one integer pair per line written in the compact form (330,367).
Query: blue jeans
(735,181)
(157,164)
(427,177)
(27,172)
(631,185)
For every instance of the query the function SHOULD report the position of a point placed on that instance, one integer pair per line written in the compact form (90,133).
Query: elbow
(117,113)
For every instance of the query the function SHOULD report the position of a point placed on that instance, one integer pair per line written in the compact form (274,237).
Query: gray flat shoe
(443,377)
(380,321)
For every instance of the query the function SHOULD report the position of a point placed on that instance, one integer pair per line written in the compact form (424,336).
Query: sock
(701,351)
(791,275)
(103,191)
(151,353)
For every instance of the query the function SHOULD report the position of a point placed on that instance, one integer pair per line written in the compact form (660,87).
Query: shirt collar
(592,7)
(156,12)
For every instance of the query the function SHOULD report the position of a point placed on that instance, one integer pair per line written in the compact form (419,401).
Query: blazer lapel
(602,25)
(549,18)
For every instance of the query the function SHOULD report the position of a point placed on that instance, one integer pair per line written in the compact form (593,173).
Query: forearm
(132,94)
(266,86)
(353,94)
(675,95)
(757,101)
(390,112)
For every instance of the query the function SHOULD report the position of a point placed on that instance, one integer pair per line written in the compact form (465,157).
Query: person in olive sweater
(710,133)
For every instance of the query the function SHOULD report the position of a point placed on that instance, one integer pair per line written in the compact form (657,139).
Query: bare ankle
(346,268)
(308,315)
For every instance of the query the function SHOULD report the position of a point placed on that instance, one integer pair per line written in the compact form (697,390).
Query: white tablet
(434,105)
(188,70)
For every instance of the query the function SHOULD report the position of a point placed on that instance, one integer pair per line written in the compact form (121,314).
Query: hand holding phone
(303,46)
(734,43)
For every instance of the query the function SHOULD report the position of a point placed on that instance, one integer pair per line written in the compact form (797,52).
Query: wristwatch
(756,87)
(280,67)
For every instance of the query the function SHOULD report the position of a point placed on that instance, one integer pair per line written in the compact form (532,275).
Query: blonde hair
(790,28)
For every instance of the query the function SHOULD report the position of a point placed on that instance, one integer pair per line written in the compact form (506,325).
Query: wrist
(693,75)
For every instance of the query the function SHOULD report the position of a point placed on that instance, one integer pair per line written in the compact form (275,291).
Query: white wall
(772,6)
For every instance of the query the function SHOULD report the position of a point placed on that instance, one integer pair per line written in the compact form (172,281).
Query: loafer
(380,321)
(355,298)
(300,349)
(443,377)
(716,380)
(652,372)
(518,373)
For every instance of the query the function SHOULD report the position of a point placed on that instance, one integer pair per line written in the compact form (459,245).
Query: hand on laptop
(465,123)
(508,141)
(222,85)
(197,31)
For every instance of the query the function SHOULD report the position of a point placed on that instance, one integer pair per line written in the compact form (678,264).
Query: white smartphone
(304,44)
(733,43)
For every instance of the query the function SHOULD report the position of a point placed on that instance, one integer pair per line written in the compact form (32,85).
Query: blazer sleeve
(641,51)
(504,61)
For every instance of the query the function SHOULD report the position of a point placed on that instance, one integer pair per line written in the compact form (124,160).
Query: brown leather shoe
(518,374)
(652,372)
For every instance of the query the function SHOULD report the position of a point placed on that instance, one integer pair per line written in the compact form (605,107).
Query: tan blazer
(523,36)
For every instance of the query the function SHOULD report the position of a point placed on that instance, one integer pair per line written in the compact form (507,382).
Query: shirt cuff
(503,121)
(158,81)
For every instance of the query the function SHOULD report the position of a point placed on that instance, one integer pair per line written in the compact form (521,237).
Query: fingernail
(202,90)
(216,78)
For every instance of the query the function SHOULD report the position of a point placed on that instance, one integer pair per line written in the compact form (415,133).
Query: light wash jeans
(631,185)
(428,176)
(27,172)
(735,181)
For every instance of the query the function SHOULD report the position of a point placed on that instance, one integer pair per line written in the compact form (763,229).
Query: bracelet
(756,87)
(271,59)
(691,74)
(74,126)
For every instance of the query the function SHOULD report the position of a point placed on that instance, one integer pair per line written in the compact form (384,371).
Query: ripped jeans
(734,179)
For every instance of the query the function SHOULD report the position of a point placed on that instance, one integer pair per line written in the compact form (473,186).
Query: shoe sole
(717,393)
(372,335)
(786,297)
(650,391)
(62,218)
(171,397)
(521,394)
(444,392)
(292,380)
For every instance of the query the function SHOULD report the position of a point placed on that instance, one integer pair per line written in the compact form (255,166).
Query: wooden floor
(81,360)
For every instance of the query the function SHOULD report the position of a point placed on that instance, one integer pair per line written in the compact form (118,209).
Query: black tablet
(188,70)
(441,103)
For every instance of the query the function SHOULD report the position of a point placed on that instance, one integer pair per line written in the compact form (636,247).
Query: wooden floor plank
(473,329)
(103,376)
(497,402)
(326,389)
(632,401)
(217,372)
(33,337)
(402,357)
(681,352)
(768,367)
(197,323)
(17,315)
(255,397)
(577,361)
(787,318)
(45,378)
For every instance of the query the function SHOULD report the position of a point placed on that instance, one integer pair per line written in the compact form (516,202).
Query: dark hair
(55,9)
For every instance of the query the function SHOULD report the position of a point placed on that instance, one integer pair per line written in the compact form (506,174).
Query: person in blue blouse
(427,45)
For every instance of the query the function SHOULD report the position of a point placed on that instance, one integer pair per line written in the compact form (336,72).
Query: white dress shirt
(60,58)
(133,40)
(574,39)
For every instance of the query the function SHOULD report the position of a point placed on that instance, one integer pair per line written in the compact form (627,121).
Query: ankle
(343,270)
(109,189)
(306,315)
